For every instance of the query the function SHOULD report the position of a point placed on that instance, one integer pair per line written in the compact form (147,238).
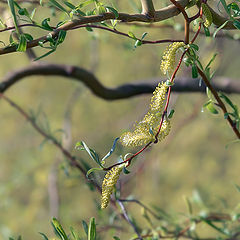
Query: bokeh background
(192,160)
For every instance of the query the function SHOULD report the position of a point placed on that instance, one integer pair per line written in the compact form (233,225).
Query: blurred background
(37,182)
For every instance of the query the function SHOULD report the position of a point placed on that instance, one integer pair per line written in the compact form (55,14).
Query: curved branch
(121,92)
(160,15)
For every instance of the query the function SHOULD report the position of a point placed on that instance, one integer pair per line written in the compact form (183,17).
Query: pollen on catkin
(109,181)
(168,59)
(146,129)
(208,15)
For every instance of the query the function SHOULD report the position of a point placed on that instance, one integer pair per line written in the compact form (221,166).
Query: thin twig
(128,219)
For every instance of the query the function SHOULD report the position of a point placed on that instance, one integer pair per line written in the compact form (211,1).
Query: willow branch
(160,15)
(148,8)
(183,85)
(220,102)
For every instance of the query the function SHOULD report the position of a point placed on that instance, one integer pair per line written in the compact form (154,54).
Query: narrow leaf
(92,170)
(85,227)
(12,8)
(111,150)
(92,229)
(59,229)
(22,46)
(59,6)
(113,10)
(131,35)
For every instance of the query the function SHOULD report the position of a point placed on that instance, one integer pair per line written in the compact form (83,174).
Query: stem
(181,9)
(186,32)
(128,219)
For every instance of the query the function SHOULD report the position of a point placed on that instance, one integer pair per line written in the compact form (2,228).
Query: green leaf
(194,71)
(59,229)
(12,9)
(92,170)
(84,4)
(45,24)
(113,10)
(194,46)
(45,55)
(90,152)
(236,24)
(59,6)
(219,28)
(33,13)
(237,187)
(101,9)
(137,43)
(89,29)
(225,6)
(144,35)
(211,60)
(74,234)
(206,31)
(85,227)
(170,115)
(111,151)
(214,226)
(92,229)
(116,238)
(44,236)
(131,35)
(22,46)
(61,37)
(70,5)
(210,107)
(28,37)
(125,170)
(226,115)
(227,100)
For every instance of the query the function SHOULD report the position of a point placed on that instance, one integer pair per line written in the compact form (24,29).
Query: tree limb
(148,8)
(160,15)
(121,92)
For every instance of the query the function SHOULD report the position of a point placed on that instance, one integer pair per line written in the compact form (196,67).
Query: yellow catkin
(208,15)
(168,59)
(109,181)
(142,133)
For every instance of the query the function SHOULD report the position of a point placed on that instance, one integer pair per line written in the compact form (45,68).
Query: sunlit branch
(148,8)
(160,15)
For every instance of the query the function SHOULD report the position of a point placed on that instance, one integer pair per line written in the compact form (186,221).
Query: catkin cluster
(208,15)
(168,59)
(109,181)
(146,129)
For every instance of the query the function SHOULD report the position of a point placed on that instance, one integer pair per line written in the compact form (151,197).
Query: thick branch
(160,15)
(121,92)
(148,8)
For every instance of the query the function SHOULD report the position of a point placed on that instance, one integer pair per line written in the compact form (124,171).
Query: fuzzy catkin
(208,15)
(146,129)
(109,181)
(168,59)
